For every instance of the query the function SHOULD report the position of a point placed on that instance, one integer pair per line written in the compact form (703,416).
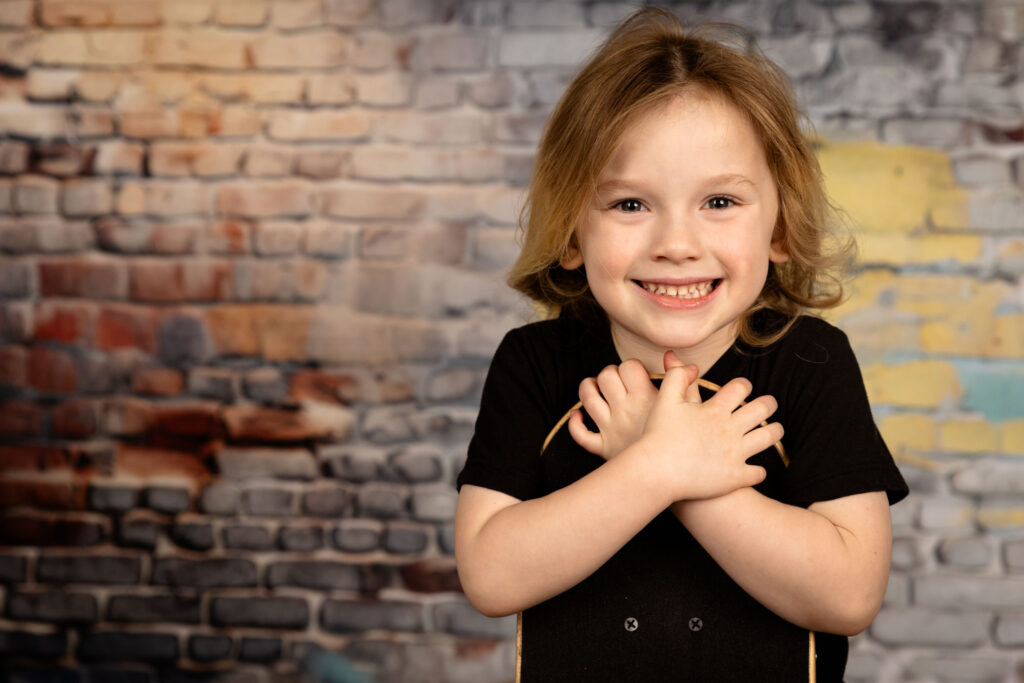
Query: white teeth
(693,291)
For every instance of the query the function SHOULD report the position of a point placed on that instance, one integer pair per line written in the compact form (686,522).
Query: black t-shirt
(661,608)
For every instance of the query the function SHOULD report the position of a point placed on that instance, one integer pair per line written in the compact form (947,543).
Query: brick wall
(251,280)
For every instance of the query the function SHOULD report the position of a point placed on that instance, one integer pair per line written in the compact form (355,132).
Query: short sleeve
(834,446)
(504,453)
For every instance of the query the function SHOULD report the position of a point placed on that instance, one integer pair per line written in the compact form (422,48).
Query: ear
(572,259)
(777,252)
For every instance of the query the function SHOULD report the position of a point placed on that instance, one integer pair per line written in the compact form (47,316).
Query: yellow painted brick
(890,188)
(906,249)
(1007,339)
(908,432)
(919,384)
(974,331)
(863,292)
(1011,437)
(968,436)
(1002,519)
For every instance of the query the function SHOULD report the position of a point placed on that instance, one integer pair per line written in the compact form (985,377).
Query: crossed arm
(824,568)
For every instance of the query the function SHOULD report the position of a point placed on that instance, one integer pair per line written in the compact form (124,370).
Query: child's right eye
(629,205)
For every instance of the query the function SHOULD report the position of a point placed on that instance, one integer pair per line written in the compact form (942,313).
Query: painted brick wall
(250,283)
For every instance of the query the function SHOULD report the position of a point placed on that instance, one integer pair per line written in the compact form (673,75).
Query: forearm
(529,551)
(797,562)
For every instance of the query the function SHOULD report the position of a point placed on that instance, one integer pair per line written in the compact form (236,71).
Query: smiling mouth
(696,290)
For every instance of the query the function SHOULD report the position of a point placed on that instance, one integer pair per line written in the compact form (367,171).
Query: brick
(215,383)
(35,194)
(277,238)
(16,14)
(112,498)
(193,536)
(89,569)
(54,606)
(183,339)
(163,198)
(322,164)
(355,616)
(277,613)
(64,160)
(383,500)
(16,279)
(308,50)
(981,170)
(37,491)
(913,384)
(433,502)
(385,89)
(187,159)
(330,89)
(157,381)
(294,14)
(99,86)
(990,477)
(960,667)
(29,644)
(75,419)
(51,371)
(948,514)
(99,13)
(405,538)
(436,575)
(51,84)
(326,502)
(968,592)
(310,422)
(300,538)
(154,608)
(138,533)
(440,128)
(42,122)
(200,47)
(249,14)
(459,618)
(358,535)
(265,199)
(37,531)
(965,553)
(1009,631)
(561,48)
(268,161)
(268,502)
(209,648)
(320,575)
(265,384)
(319,125)
(197,420)
(211,573)
(132,327)
(259,650)
(248,537)
(350,12)
(920,626)
(20,418)
(219,498)
(259,463)
(116,645)
(14,156)
(13,569)
(47,234)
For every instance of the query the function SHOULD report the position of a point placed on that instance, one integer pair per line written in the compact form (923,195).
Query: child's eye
(719,203)
(629,205)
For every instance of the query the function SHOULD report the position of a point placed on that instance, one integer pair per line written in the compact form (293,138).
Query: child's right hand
(702,447)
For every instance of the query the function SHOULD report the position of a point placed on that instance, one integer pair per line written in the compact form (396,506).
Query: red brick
(162,280)
(242,13)
(432,576)
(64,322)
(93,278)
(185,159)
(91,121)
(163,198)
(366,200)
(126,326)
(40,491)
(51,371)
(20,418)
(86,197)
(148,463)
(61,159)
(261,199)
(230,236)
(33,458)
(276,332)
(35,194)
(120,157)
(323,386)
(312,421)
(14,156)
(158,382)
(75,419)
(14,366)
(16,13)
(144,236)
(16,321)
(202,419)
(326,124)
(127,417)
(312,50)
(147,123)
(201,47)
(99,13)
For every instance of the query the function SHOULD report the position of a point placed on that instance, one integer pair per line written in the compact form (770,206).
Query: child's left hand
(618,400)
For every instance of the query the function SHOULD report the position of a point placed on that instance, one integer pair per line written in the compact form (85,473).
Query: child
(676,225)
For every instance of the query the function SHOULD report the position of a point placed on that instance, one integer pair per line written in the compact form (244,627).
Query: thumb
(691,392)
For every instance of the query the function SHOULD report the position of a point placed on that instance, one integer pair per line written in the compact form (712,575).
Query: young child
(677,225)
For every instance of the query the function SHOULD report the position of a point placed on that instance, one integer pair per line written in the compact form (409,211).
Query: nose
(676,239)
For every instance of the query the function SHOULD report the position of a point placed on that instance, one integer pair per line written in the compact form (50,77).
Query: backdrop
(252,276)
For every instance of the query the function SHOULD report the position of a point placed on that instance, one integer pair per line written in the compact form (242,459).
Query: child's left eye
(629,205)
(719,203)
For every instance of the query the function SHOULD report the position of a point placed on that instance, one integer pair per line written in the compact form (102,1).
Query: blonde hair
(647,60)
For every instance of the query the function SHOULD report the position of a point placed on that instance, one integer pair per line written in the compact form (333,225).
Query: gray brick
(326,502)
(898,591)
(12,569)
(118,674)
(382,500)
(267,463)
(167,499)
(459,618)
(969,592)
(356,464)
(418,463)
(16,279)
(215,383)
(434,502)
(43,675)
(220,572)
(1010,631)
(220,498)
(991,477)
(283,613)
(154,608)
(316,575)
(138,533)
(300,538)
(247,537)
(1013,554)
(405,538)
(183,340)
(268,502)
(922,626)
(965,553)
(91,569)
(194,536)
(35,645)
(209,648)
(966,668)
(57,607)
(113,498)
(358,535)
(353,616)
(260,650)
(446,538)
(266,385)
(980,169)
(947,514)
(135,647)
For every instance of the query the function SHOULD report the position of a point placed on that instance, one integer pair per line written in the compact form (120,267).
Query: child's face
(678,237)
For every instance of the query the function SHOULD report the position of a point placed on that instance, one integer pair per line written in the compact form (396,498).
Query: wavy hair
(650,58)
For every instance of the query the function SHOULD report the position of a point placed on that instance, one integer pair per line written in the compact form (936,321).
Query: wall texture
(251,280)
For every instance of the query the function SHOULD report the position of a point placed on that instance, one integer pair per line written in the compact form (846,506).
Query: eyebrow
(615,184)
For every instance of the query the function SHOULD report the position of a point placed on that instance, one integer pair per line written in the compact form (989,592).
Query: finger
(692,394)
(635,378)
(670,360)
(732,394)
(752,476)
(675,382)
(761,438)
(593,402)
(611,386)
(755,412)
(588,440)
